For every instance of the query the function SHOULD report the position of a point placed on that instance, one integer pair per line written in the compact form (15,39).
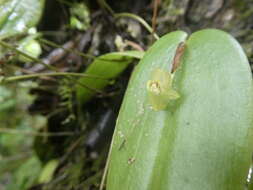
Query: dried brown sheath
(178,55)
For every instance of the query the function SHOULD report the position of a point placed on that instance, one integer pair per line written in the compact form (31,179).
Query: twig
(66,49)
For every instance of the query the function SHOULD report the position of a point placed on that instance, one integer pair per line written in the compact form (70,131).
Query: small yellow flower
(160,89)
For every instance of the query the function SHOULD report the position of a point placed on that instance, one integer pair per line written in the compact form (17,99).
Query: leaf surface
(203,140)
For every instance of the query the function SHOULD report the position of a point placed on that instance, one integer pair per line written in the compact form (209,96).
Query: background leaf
(107,66)
(17,16)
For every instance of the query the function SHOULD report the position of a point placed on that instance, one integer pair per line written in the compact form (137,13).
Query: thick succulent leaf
(17,16)
(203,140)
(107,66)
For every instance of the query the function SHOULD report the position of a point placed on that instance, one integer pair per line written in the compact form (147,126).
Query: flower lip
(154,86)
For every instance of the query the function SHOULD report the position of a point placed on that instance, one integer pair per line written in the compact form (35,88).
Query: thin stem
(130,15)
(139,19)
(8,46)
(29,76)
(91,179)
(154,17)
(17,157)
(43,134)
(89,88)
(103,4)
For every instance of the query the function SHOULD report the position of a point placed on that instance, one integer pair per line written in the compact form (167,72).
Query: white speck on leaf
(121,135)
(130,160)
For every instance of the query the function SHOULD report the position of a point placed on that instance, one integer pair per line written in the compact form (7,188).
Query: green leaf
(17,16)
(80,16)
(47,172)
(107,66)
(203,140)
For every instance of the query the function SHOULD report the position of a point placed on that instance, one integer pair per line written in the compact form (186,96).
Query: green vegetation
(185,122)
